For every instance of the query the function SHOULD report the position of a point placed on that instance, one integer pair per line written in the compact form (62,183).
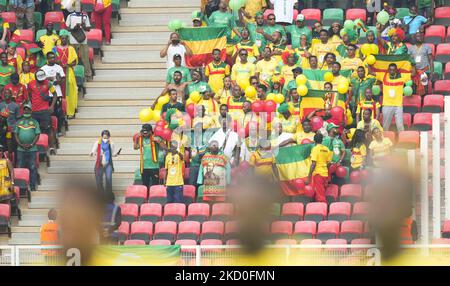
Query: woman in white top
(173,47)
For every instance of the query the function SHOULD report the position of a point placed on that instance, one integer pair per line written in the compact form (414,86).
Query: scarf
(141,149)
(98,163)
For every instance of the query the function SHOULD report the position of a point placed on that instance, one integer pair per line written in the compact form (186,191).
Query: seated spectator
(368,103)
(185,73)
(380,147)
(414,23)
(368,123)
(26,76)
(225,92)
(358,149)
(50,40)
(173,103)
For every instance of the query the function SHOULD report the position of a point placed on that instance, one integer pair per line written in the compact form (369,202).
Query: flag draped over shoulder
(202,41)
(403,62)
(293,163)
(316,77)
(315,99)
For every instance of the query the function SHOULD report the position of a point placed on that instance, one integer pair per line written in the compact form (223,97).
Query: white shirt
(173,50)
(232,139)
(283,10)
(72,20)
(50,72)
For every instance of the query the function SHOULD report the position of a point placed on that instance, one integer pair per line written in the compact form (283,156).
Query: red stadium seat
(440,241)
(165,230)
(54,123)
(94,38)
(136,194)
(211,242)
(412,104)
(187,245)
(189,230)
(142,230)
(123,231)
(311,242)
(361,241)
(189,194)
(9,17)
(304,230)
(286,242)
(163,242)
(27,36)
(390,135)
(433,103)
(134,242)
(446,229)
(186,173)
(222,211)
(21,177)
(448,35)
(174,212)
(350,193)
(55,17)
(442,16)
(42,143)
(316,211)
(353,14)
(336,241)
(212,230)
(442,53)
(233,242)
(327,229)
(292,212)
(435,34)
(270,11)
(87,5)
(198,212)
(157,194)
(339,211)
(150,212)
(91,55)
(408,139)
(230,230)
(422,121)
(351,229)
(433,49)
(360,211)
(5,216)
(281,229)
(442,86)
(311,16)
(447,71)
(332,193)
(129,212)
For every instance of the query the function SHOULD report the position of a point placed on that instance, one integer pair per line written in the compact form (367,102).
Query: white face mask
(105,140)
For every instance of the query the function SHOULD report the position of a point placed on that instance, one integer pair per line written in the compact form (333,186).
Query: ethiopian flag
(202,41)
(315,99)
(293,163)
(403,62)
(316,78)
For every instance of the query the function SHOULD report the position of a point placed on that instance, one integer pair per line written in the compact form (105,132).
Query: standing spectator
(283,10)
(175,47)
(216,71)
(266,67)
(294,31)
(101,16)
(78,24)
(413,23)
(242,70)
(186,74)
(227,140)
(50,40)
(103,149)
(395,46)
(6,177)
(24,10)
(368,103)
(11,111)
(210,6)
(27,133)
(174,182)
(426,8)
(423,58)
(335,145)
(5,71)
(368,124)
(250,9)
(318,172)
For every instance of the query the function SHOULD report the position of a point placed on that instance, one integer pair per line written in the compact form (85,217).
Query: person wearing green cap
(297,29)
(289,122)
(197,84)
(334,144)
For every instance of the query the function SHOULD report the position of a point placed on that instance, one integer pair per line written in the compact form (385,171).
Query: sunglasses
(271,19)
(244,55)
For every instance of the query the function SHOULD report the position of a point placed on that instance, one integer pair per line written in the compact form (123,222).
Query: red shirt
(19,92)
(37,103)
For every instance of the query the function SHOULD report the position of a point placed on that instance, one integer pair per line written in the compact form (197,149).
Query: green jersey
(147,154)
(199,86)
(27,129)
(256,37)
(335,145)
(5,74)
(185,74)
(296,32)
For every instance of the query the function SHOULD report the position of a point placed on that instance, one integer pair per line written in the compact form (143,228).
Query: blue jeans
(175,194)
(27,159)
(107,172)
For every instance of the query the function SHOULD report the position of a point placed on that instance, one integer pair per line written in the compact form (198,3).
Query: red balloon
(309,191)
(270,106)
(163,116)
(337,113)
(299,184)
(364,174)
(241,133)
(341,172)
(166,134)
(235,126)
(190,109)
(307,141)
(355,177)
(158,130)
(244,166)
(160,123)
(316,123)
(257,106)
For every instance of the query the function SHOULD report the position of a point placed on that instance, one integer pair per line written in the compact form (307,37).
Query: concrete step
(140,38)
(157,47)
(24,238)
(129,66)
(123,84)
(66,167)
(154,19)
(131,75)
(113,121)
(116,93)
(158,10)
(94,131)
(135,57)
(82,150)
(163,4)
(104,103)
(133,29)
(106,112)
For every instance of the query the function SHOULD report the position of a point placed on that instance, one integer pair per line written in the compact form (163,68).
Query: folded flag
(315,99)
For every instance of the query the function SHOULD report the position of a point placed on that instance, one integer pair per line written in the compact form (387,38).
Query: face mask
(26,115)
(105,140)
(175,42)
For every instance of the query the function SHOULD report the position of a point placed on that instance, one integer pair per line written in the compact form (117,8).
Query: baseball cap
(27,105)
(300,17)
(40,75)
(331,126)
(146,127)
(298,69)
(196,16)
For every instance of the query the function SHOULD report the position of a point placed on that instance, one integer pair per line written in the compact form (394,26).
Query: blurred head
(146,130)
(247,106)
(361,71)
(223,110)
(236,91)
(7,95)
(52,214)
(214,147)
(377,134)
(223,5)
(51,58)
(330,58)
(392,69)
(259,18)
(267,52)
(336,68)
(313,62)
(276,37)
(4,58)
(50,28)
(367,115)
(105,135)
(245,34)
(216,55)
(318,138)
(306,124)
(419,37)
(26,67)
(323,35)
(328,86)
(336,28)
(177,77)
(227,82)
(413,11)
(351,51)
(196,76)
(261,92)
(368,94)
(254,81)
(317,27)
(177,60)
(370,37)
(174,38)
(303,40)
(271,19)
(173,95)
(243,54)
(294,94)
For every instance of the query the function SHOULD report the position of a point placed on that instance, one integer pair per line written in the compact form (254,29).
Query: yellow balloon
(279,98)
(301,79)
(349,119)
(366,49)
(158,106)
(195,96)
(371,60)
(156,115)
(145,115)
(243,83)
(302,90)
(164,99)
(271,96)
(189,101)
(344,81)
(250,92)
(328,76)
(374,49)
(342,88)
(352,131)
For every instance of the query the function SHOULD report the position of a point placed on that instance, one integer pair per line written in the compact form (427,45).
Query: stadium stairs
(128,77)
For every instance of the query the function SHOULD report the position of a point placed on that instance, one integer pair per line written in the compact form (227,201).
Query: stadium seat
(336,241)
(339,211)
(332,193)
(142,230)
(361,241)
(422,121)
(443,53)
(55,17)
(447,71)
(442,16)
(27,35)
(165,230)
(174,212)
(198,212)
(211,242)
(433,103)
(316,211)
(327,229)
(390,135)
(311,16)
(40,33)
(332,15)
(281,229)
(412,104)
(440,241)
(286,242)
(292,212)
(188,194)
(157,194)
(5,217)
(230,230)
(438,71)
(9,17)
(87,5)
(42,146)
(150,212)
(212,230)
(351,229)
(311,242)
(37,17)
(95,38)
(350,193)
(401,13)
(162,242)
(433,49)
(22,180)
(136,194)
(435,34)
(360,211)
(222,211)
(123,231)
(134,242)
(188,230)
(446,229)
(408,139)
(304,230)
(129,212)
(442,87)
(353,14)
(187,245)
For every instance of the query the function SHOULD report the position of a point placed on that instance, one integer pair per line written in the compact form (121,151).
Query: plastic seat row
(138,194)
(432,103)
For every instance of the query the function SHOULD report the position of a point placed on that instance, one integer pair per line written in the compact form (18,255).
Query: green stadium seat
(402,12)
(3,3)
(37,16)
(200,194)
(40,33)
(79,74)
(332,15)
(137,177)
(437,70)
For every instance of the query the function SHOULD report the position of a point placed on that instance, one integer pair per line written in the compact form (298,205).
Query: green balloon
(376,90)
(383,17)
(195,14)
(343,32)
(409,83)
(349,24)
(234,4)
(174,25)
(407,91)
(243,2)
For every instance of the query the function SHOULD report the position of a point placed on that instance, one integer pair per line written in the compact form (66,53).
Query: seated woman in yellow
(225,92)
(358,149)
(327,65)
(288,121)
(303,52)
(334,32)
(263,160)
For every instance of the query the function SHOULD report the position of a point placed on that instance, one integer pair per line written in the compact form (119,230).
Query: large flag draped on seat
(403,62)
(315,100)
(202,41)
